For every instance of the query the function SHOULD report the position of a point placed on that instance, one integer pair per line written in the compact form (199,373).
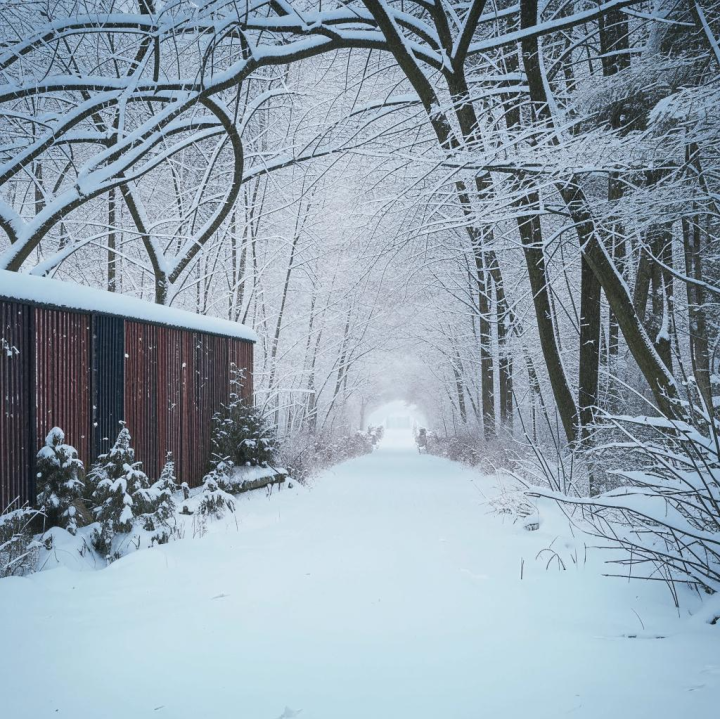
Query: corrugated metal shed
(87,371)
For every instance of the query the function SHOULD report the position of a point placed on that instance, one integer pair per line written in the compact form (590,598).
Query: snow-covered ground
(387,591)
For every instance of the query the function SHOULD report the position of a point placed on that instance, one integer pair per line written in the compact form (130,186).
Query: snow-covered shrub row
(304,454)
(119,506)
(376,434)
(470,449)
(116,505)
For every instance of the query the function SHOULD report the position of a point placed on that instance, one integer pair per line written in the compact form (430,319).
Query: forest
(502,213)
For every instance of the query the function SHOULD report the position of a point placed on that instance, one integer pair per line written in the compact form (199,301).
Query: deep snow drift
(387,591)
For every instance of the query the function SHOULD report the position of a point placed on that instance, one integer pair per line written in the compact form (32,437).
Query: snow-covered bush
(121,491)
(376,434)
(59,481)
(665,510)
(215,497)
(18,548)
(514,503)
(241,434)
(472,450)
(459,448)
(307,453)
(160,515)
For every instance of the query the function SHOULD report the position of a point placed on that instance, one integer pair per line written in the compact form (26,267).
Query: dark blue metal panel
(108,381)
(17,436)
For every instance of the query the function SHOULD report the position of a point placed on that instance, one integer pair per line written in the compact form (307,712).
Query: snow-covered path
(387,592)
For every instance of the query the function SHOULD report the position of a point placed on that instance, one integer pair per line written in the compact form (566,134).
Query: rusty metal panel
(213,387)
(141,393)
(169,394)
(188,413)
(63,377)
(17,436)
(241,355)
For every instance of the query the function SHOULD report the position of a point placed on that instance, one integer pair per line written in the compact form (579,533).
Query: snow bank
(387,590)
(41,290)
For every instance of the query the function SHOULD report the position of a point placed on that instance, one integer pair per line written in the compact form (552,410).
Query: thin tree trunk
(112,243)
(487,372)
(699,344)
(656,374)
(531,238)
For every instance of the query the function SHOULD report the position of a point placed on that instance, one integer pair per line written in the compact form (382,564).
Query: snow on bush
(514,503)
(240,432)
(469,449)
(304,454)
(215,497)
(665,513)
(120,492)
(59,481)
(18,547)
(160,517)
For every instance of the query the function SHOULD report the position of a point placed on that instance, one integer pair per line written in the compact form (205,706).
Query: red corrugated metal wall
(169,393)
(16,416)
(241,355)
(63,377)
(175,381)
(141,396)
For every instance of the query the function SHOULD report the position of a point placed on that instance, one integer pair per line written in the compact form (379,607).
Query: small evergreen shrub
(59,481)
(215,497)
(160,514)
(121,492)
(241,434)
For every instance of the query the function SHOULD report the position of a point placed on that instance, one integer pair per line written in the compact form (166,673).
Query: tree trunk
(699,345)
(487,372)
(531,238)
(112,243)
(651,365)
(589,371)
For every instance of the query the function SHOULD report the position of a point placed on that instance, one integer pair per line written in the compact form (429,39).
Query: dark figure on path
(421,440)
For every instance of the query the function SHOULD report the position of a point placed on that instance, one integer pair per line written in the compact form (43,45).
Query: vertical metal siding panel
(108,381)
(16,434)
(141,394)
(173,395)
(195,407)
(187,394)
(206,365)
(161,428)
(201,359)
(132,393)
(63,377)
(248,364)
(241,356)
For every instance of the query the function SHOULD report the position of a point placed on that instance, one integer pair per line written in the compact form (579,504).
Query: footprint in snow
(289,713)
(476,577)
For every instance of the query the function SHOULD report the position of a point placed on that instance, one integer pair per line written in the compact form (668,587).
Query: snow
(41,290)
(388,590)
(252,474)
(393,412)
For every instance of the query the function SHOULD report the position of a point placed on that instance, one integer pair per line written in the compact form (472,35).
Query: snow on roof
(41,290)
